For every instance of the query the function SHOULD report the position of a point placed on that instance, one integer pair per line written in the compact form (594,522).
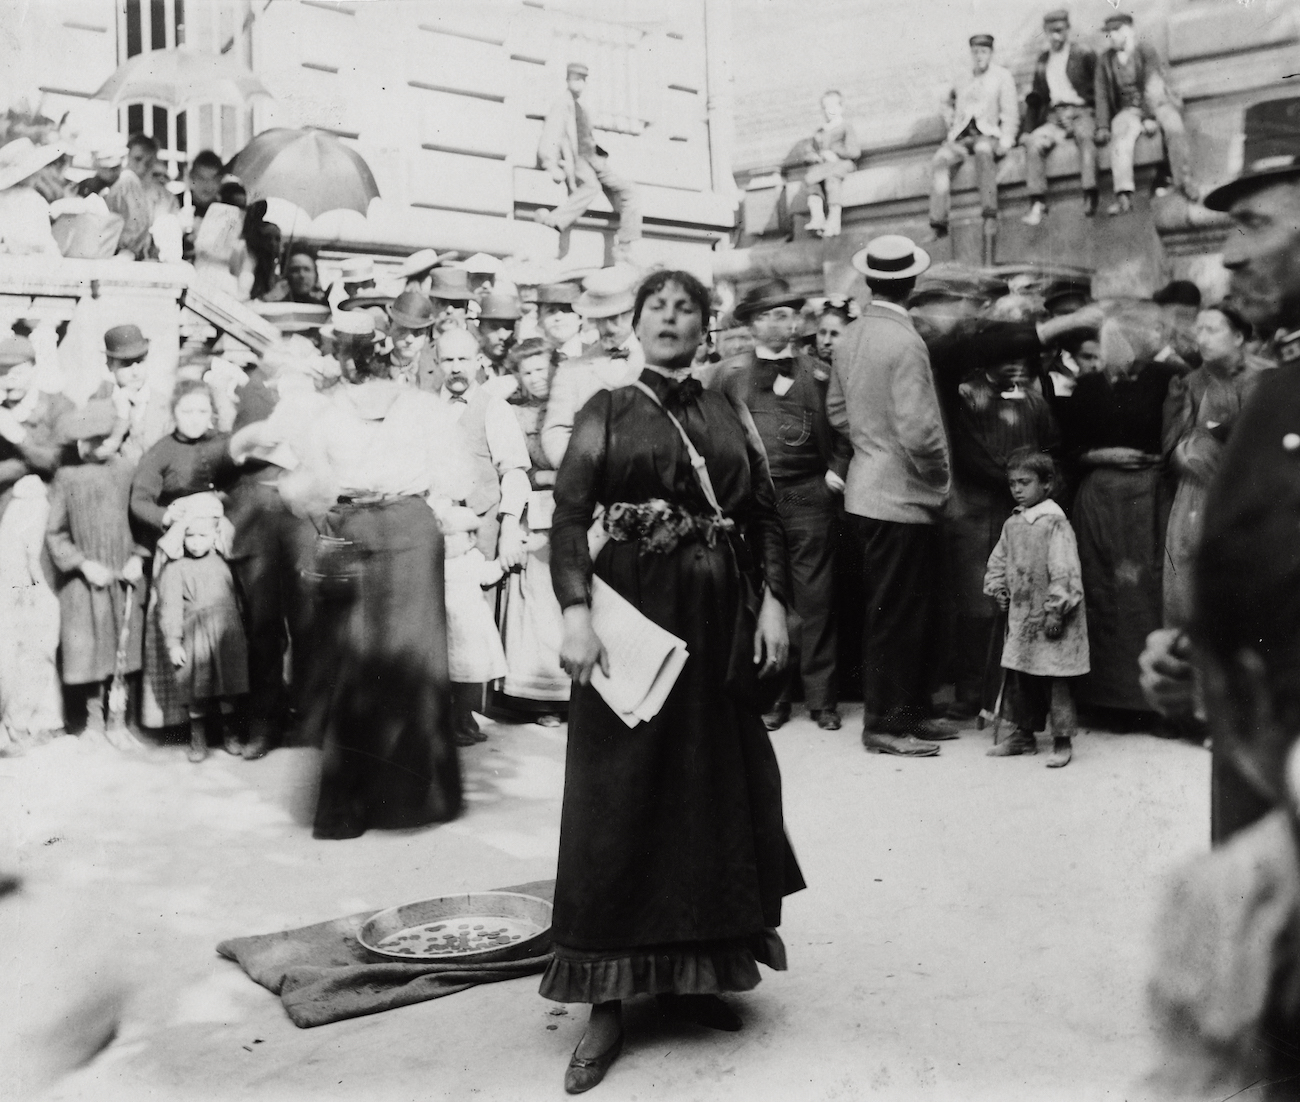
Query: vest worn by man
(486,495)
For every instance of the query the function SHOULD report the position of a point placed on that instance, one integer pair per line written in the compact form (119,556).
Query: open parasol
(181,78)
(309,168)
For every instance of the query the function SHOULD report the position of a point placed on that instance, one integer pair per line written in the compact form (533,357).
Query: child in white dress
(474,652)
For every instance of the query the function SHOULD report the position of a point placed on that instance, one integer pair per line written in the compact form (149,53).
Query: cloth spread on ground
(323,974)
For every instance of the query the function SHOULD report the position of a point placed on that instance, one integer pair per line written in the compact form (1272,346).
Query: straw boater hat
(1270,152)
(369,301)
(608,292)
(125,342)
(500,305)
(451,285)
(418,264)
(768,295)
(293,317)
(357,269)
(411,310)
(356,327)
(21,158)
(891,256)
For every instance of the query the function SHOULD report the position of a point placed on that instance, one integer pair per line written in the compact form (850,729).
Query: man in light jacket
(882,397)
(568,151)
(983,117)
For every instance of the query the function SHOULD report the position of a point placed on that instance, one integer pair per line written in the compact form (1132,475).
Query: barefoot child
(100,567)
(201,624)
(1034,575)
(474,652)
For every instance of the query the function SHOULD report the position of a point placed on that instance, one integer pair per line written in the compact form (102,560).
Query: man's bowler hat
(500,305)
(451,285)
(891,256)
(1270,152)
(771,294)
(411,310)
(125,342)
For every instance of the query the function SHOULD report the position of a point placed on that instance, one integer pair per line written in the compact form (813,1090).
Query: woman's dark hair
(233,194)
(263,241)
(657,281)
(186,387)
(526,350)
(1035,462)
(299,250)
(208,160)
(1233,317)
(841,312)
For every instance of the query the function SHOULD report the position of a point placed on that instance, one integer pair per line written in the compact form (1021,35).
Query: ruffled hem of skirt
(688,968)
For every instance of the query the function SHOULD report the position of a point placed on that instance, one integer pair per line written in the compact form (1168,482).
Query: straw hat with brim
(500,306)
(608,292)
(412,310)
(15,351)
(357,269)
(768,295)
(356,327)
(892,256)
(97,418)
(451,285)
(418,263)
(367,302)
(1270,152)
(21,158)
(125,342)
(293,317)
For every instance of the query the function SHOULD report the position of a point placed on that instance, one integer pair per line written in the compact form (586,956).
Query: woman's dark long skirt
(673,854)
(378,702)
(1119,519)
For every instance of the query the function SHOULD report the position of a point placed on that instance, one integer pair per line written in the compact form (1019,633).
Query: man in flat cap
(1263,254)
(1060,105)
(779,385)
(983,118)
(568,151)
(1134,97)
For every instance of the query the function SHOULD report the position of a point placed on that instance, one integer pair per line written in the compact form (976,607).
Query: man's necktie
(620,353)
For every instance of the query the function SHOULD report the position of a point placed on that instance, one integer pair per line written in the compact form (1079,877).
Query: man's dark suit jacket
(1080,68)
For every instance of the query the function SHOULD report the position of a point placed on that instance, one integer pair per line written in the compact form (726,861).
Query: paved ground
(974,928)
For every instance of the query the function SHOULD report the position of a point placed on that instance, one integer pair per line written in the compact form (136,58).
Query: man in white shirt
(983,118)
(615,360)
(498,449)
(1060,105)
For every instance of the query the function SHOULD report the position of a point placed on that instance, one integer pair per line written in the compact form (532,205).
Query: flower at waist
(661,526)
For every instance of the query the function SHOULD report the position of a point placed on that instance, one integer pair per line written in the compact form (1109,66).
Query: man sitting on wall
(1060,105)
(983,118)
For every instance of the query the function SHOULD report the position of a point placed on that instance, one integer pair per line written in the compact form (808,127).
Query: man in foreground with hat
(983,118)
(125,352)
(412,357)
(1060,105)
(882,397)
(568,151)
(1259,470)
(29,442)
(499,312)
(1134,97)
(615,360)
(780,388)
(557,322)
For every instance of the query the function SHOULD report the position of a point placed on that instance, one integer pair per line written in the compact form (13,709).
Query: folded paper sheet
(644,659)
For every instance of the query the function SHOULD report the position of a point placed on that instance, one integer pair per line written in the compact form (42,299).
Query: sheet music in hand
(644,659)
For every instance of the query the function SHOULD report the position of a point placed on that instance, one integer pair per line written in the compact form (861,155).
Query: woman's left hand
(510,544)
(772,639)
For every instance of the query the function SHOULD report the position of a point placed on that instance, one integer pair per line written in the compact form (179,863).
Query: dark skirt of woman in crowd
(531,623)
(193,459)
(673,855)
(377,693)
(1113,426)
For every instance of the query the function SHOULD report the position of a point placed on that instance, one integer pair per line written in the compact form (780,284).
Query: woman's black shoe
(583,1074)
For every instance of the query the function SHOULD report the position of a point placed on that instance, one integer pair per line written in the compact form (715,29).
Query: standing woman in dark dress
(673,856)
(1113,423)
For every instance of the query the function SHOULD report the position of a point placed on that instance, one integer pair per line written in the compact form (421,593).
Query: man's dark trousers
(901,564)
(808,512)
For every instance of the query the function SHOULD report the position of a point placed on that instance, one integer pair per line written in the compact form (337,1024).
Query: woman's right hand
(581,649)
(1167,675)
